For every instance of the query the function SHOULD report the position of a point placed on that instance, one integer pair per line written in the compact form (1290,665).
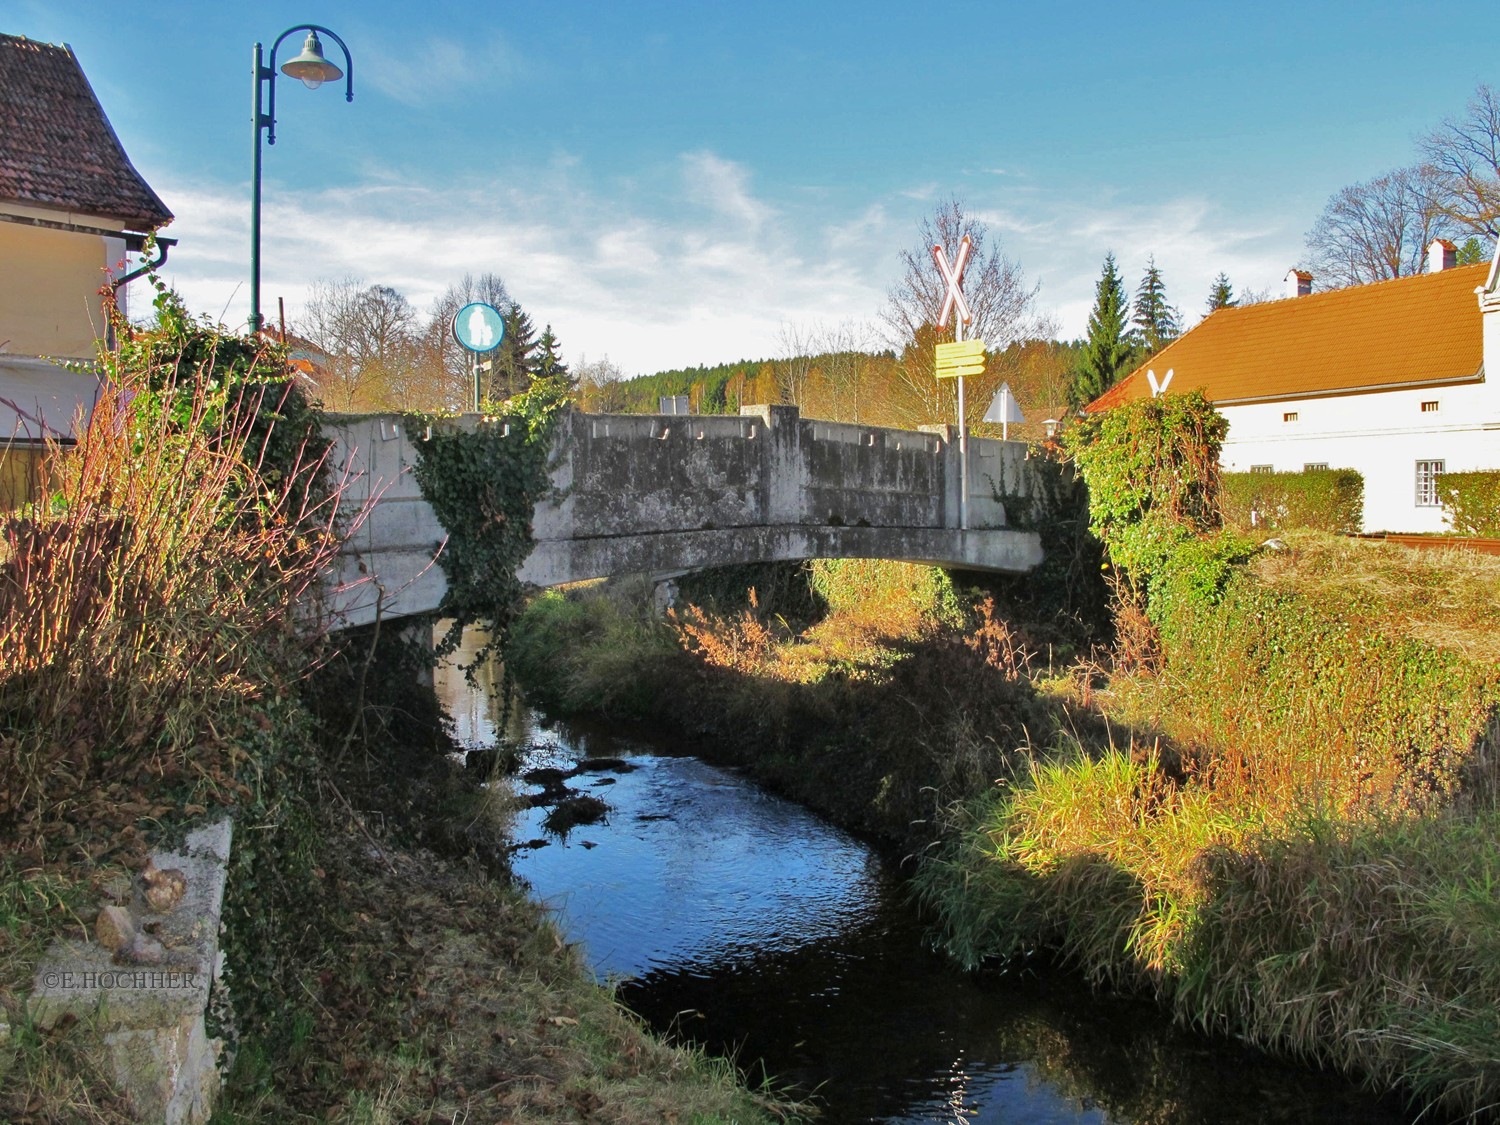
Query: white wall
(1382,435)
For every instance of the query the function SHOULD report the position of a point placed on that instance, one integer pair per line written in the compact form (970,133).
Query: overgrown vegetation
(1330,500)
(1288,832)
(483,482)
(160,663)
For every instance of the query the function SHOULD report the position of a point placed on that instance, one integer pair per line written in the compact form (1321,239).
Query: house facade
(72,207)
(1388,379)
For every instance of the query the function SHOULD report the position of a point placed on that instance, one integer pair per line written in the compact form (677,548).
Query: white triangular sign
(1003,407)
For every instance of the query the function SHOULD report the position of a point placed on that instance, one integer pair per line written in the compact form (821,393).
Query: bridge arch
(665,493)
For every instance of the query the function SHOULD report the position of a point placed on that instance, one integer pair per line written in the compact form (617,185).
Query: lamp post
(313,70)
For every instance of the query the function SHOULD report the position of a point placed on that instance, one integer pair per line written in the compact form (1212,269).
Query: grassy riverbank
(1292,834)
(1280,816)
(904,697)
(155,671)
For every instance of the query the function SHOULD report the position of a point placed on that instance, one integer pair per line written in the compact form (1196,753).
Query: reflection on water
(749,925)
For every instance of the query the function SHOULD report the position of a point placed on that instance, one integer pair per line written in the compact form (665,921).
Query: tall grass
(1293,837)
(153,596)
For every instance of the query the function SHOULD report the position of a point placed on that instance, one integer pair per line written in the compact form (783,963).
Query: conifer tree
(1157,323)
(1221,296)
(1107,353)
(548,363)
(514,359)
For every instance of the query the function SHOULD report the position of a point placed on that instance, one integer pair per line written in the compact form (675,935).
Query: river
(745,923)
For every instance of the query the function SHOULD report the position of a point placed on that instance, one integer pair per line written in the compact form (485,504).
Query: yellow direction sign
(961,360)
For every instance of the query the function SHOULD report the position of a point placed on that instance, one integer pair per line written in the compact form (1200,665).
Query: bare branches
(1463,155)
(1377,230)
(994,285)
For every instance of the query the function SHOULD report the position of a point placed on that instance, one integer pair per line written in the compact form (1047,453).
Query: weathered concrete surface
(151,1017)
(679,492)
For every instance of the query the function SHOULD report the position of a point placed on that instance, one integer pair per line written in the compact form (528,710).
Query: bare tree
(443,352)
(369,334)
(1376,230)
(794,368)
(599,390)
(994,286)
(1463,155)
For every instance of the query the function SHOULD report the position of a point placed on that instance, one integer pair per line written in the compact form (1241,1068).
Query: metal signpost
(959,361)
(480,328)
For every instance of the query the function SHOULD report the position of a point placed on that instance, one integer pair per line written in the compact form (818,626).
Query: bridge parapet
(660,493)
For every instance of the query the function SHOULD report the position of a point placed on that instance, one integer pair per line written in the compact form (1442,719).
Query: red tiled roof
(1421,329)
(57,149)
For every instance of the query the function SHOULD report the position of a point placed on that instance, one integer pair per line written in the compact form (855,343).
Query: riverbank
(158,669)
(1282,822)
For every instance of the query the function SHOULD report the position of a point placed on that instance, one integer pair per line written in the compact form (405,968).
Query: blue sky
(671,183)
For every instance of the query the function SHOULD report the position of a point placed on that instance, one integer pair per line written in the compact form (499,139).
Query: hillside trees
(369,335)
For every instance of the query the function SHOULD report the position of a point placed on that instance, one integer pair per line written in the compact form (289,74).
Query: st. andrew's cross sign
(954,303)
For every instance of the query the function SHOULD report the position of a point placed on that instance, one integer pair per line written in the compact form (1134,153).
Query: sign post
(953,302)
(1004,409)
(479,328)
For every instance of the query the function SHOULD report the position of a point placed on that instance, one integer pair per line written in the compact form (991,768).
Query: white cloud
(687,268)
(713,278)
(438,70)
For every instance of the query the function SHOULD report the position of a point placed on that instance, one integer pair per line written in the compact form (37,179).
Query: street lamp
(312,69)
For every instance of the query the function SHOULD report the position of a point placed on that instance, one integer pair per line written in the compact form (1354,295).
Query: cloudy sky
(670,183)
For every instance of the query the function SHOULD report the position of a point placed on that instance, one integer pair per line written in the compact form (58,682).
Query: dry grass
(1449,599)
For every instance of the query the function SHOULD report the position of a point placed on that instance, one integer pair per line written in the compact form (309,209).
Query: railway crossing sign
(953,275)
(960,360)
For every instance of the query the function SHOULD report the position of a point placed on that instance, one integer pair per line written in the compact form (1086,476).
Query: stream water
(747,924)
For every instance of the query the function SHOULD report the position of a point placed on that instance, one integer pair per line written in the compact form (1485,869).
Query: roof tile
(1416,329)
(57,148)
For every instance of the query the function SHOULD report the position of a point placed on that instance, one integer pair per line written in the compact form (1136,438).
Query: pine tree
(1107,353)
(1221,296)
(548,363)
(514,359)
(1156,322)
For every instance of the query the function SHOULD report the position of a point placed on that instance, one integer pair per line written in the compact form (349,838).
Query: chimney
(1441,255)
(1298,283)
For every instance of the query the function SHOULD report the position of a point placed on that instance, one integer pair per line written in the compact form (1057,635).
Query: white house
(1388,379)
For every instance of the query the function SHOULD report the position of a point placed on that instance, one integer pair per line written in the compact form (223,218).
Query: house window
(1262,469)
(1315,467)
(1430,406)
(1289,416)
(1427,474)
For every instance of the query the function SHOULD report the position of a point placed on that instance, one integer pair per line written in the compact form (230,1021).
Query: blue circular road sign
(479,327)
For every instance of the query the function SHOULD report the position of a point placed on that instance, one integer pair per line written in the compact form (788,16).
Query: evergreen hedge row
(1471,501)
(1320,499)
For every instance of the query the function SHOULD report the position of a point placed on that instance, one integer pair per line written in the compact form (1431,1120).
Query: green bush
(1471,502)
(1152,470)
(1318,499)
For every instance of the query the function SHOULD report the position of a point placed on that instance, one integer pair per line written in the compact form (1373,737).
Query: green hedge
(1471,501)
(1321,499)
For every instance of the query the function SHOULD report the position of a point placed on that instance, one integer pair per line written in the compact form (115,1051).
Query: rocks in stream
(570,812)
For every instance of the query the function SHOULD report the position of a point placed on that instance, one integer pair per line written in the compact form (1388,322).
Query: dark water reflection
(749,925)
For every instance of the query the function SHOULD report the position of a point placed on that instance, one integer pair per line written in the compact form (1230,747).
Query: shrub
(1152,470)
(1471,502)
(1318,499)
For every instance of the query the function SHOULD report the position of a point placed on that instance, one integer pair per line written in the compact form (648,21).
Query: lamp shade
(310,66)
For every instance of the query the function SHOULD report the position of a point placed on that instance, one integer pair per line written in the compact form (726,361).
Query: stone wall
(658,493)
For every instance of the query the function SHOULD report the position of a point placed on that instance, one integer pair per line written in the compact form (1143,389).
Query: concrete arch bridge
(673,493)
